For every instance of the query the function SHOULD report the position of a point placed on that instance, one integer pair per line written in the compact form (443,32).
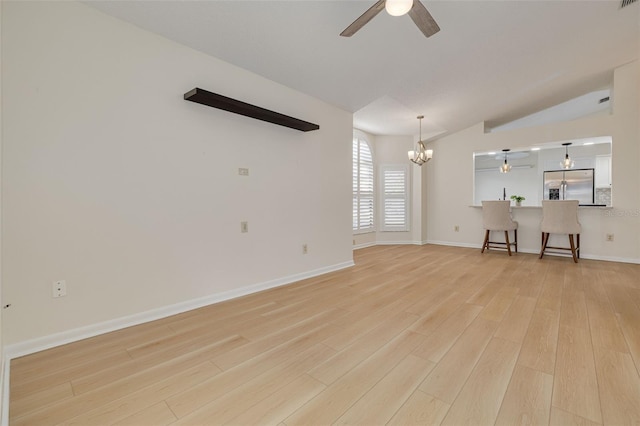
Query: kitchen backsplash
(603,196)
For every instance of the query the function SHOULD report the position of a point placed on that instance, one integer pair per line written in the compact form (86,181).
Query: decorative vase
(518,203)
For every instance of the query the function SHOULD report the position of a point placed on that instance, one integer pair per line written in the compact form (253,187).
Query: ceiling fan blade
(423,19)
(363,19)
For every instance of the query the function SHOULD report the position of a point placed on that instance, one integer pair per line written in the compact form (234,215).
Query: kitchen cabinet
(603,171)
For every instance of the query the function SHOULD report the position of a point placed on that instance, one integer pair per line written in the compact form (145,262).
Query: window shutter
(395,198)
(362,186)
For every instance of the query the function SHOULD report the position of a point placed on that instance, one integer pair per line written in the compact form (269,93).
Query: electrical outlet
(304,249)
(59,289)
(456,228)
(243,171)
(244,227)
(609,237)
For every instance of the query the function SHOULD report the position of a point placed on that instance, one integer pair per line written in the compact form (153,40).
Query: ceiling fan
(420,15)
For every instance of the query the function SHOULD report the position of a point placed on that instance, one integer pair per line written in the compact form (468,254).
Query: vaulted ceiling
(492,61)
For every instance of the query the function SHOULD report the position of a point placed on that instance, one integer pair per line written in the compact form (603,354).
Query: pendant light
(567,163)
(506,167)
(398,7)
(420,155)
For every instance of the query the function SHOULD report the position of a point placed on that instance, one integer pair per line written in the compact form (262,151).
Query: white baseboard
(536,251)
(398,243)
(610,258)
(41,343)
(364,245)
(388,243)
(454,244)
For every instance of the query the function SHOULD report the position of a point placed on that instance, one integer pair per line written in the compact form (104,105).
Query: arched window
(362,186)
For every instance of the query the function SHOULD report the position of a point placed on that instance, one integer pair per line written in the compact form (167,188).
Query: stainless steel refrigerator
(574,184)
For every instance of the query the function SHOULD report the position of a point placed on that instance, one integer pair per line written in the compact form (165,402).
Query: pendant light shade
(398,7)
(567,163)
(505,167)
(420,155)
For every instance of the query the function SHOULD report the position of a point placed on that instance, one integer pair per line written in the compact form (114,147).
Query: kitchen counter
(582,206)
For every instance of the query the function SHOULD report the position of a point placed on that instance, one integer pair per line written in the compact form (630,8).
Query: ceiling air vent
(603,100)
(626,3)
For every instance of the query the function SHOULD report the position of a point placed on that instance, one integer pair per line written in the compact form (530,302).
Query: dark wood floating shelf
(215,100)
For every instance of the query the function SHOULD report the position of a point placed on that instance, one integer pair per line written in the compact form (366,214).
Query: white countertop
(539,207)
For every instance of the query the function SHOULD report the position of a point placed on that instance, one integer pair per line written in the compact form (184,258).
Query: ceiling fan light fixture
(398,7)
(416,10)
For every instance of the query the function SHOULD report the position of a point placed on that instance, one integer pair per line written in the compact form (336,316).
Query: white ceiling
(492,61)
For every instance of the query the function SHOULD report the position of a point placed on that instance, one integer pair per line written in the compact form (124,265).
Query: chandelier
(420,155)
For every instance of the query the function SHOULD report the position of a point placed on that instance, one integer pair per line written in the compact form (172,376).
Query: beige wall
(114,183)
(449,180)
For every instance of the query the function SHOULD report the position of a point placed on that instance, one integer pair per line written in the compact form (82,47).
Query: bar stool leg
(573,248)
(545,239)
(485,244)
(506,237)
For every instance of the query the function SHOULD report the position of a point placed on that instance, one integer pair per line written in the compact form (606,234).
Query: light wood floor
(410,335)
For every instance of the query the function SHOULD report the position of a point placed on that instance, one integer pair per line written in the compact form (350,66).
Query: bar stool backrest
(496,216)
(560,217)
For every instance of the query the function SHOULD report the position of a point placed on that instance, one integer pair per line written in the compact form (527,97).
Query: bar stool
(561,217)
(496,216)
